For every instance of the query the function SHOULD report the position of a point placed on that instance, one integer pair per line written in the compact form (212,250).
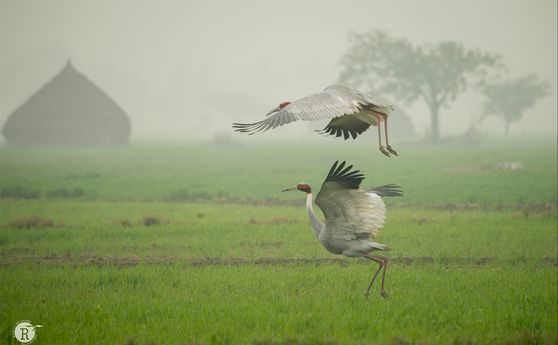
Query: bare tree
(433,73)
(510,98)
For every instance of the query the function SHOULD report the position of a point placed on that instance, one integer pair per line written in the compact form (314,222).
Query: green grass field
(181,243)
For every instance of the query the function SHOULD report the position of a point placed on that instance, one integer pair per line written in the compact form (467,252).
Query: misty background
(188,69)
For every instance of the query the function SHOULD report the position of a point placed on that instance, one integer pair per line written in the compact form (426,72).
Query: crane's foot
(391,150)
(384,151)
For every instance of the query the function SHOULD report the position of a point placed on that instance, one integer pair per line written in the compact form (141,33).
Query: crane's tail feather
(388,190)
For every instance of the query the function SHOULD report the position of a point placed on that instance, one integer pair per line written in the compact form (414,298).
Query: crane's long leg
(388,146)
(373,278)
(382,261)
(382,291)
(379,124)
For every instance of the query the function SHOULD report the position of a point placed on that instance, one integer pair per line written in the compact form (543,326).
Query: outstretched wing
(350,212)
(333,102)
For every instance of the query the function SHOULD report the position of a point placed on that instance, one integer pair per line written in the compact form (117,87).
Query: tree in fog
(433,73)
(509,99)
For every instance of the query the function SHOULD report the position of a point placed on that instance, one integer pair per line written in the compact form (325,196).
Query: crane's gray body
(353,216)
(346,239)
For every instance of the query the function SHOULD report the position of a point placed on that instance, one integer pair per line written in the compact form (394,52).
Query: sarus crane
(350,112)
(352,216)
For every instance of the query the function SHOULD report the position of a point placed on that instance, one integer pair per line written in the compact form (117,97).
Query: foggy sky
(187,69)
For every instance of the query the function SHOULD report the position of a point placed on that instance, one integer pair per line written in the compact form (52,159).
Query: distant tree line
(437,74)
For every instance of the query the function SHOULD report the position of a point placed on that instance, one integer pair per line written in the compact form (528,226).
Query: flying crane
(350,112)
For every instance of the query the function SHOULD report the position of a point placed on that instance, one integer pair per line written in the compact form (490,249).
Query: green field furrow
(243,231)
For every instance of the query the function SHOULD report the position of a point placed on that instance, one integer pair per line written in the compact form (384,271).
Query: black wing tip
(333,168)
(346,126)
(388,190)
(343,175)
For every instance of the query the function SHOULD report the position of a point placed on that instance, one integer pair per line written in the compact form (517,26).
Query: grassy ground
(227,230)
(186,244)
(170,304)
(430,176)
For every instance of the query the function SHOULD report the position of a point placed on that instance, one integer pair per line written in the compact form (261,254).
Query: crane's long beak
(276,109)
(289,189)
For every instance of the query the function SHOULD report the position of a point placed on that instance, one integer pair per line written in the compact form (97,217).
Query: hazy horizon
(189,69)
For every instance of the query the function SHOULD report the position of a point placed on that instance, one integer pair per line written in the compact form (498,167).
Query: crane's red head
(283,104)
(303,187)
(279,107)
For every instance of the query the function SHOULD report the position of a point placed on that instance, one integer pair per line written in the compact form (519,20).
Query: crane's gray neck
(316,223)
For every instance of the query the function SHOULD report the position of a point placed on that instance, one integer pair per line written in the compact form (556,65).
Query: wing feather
(350,212)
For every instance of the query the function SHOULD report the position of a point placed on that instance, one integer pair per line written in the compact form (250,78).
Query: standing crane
(350,112)
(353,216)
